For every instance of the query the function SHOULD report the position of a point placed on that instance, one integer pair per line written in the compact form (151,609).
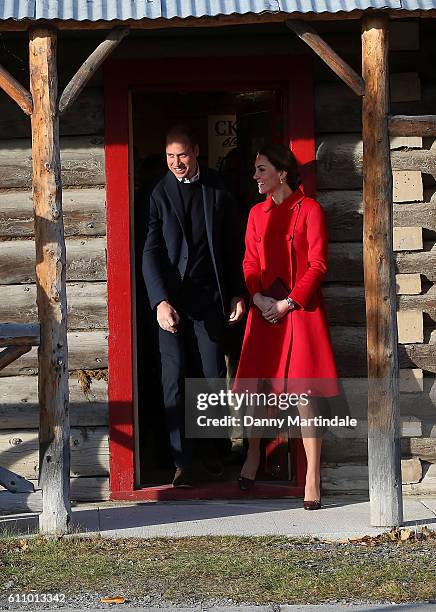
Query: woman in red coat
(286,246)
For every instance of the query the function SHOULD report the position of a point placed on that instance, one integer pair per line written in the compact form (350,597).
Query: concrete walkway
(341,517)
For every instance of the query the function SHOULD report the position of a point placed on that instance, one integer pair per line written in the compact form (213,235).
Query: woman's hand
(276,311)
(262,302)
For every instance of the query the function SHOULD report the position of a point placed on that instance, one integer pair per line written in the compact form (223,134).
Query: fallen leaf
(113,600)
(406,534)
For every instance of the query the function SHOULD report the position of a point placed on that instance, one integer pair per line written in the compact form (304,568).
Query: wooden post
(54,433)
(383,396)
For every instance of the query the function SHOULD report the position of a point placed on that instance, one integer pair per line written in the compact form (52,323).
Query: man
(192,271)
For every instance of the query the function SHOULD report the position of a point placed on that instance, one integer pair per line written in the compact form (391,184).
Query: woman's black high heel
(245,484)
(313,504)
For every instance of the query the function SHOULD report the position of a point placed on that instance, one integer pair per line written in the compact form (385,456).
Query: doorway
(233,114)
(231,126)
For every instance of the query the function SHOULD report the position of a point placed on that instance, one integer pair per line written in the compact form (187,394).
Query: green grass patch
(256,570)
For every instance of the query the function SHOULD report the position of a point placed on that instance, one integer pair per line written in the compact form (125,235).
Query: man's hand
(237,309)
(167,317)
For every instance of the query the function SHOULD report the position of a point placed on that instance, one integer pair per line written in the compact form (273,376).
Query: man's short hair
(181,132)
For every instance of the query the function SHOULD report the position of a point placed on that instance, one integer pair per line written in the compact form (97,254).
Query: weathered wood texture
(54,426)
(346,304)
(82,162)
(87,351)
(19,451)
(12,334)
(16,91)
(19,407)
(383,394)
(86,305)
(14,483)
(356,449)
(83,209)
(11,353)
(18,503)
(86,260)
(328,55)
(404,125)
(90,66)
(338,110)
(82,489)
(344,210)
(340,158)
(86,116)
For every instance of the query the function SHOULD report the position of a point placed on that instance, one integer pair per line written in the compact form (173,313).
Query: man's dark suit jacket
(165,256)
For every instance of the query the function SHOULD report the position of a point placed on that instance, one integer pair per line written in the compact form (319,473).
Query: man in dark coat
(193,274)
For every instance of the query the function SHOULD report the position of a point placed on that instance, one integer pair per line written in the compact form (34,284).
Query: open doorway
(231,127)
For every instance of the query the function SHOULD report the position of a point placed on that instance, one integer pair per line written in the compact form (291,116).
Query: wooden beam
(14,483)
(18,334)
(326,53)
(421,125)
(89,67)
(54,431)
(10,354)
(383,393)
(16,91)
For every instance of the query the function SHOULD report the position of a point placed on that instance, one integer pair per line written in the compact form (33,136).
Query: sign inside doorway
(222,138)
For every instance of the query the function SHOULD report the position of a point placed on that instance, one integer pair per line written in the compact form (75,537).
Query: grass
(252,570)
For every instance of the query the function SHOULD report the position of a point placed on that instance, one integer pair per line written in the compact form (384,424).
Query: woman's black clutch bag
(277,290)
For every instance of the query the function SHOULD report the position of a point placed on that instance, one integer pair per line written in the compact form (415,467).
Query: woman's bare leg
(312,442)
(251,464)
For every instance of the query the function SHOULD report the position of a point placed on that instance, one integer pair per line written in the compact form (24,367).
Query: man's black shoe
(182,478)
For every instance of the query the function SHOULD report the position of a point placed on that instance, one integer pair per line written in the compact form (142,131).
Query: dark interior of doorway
(231,126)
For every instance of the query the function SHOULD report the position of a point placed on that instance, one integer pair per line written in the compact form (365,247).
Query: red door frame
(292,74)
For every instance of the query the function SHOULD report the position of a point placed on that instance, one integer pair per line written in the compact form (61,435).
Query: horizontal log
(346,304)
(13,334)
(407,125)
(345,478)
(19,408)
(84,213)
(85,117)
(344,211)
(20,503)
(86,260)
(356,449)
(82,162)
(86,303)
(340,156)
(345,262)
(19,451)
(86,351)
(89,488)
(338,110)
(349,344)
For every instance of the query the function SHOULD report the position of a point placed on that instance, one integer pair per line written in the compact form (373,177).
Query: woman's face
(266,175)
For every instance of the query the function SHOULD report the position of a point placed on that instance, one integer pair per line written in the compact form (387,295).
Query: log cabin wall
(339,178)
(83,175)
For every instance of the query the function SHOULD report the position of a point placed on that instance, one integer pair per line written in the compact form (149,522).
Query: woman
(287,335)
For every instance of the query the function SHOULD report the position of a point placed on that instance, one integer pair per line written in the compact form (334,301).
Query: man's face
(182,158)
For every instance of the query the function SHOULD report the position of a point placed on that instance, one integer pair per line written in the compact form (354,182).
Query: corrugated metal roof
(107,10)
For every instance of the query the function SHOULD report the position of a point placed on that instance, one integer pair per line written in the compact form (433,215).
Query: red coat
(288,241)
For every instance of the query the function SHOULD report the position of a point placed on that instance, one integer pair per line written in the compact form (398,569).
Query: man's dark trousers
(195,351)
